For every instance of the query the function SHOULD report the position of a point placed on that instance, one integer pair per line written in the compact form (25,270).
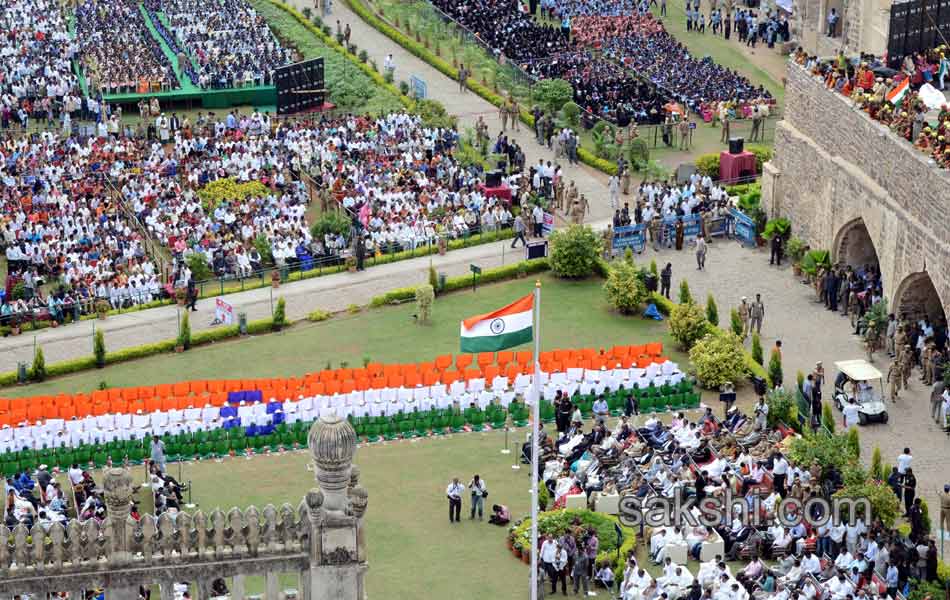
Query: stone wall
(834,165)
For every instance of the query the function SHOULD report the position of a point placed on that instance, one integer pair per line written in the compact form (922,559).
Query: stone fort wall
(835,167)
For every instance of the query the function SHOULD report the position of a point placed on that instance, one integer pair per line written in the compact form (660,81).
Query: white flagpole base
(515,467)
(506,451)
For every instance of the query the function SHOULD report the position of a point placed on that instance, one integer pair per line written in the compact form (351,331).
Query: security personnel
(907,364)
(894,380)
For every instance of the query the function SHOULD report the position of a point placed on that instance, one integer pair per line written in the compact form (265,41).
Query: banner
(692,225)
(745,227)
(223,312)
(548,225)
(633,237)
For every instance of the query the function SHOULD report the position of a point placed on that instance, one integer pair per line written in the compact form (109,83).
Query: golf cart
(860,380)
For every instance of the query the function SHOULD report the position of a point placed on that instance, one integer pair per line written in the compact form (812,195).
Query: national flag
(897,94)
(504,328)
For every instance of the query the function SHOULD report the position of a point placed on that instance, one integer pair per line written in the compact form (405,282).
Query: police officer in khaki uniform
(907,365)
(894,381)
(571,198)
(744,317)
(945,508)
(559,194)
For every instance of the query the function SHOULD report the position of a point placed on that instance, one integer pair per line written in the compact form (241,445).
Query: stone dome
(332,442)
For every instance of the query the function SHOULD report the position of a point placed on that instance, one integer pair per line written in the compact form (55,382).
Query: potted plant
(102,309)
(350,264)
(795,248)
(180,295)
(275,278)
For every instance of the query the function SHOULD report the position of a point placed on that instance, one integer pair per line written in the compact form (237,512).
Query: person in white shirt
(904,460)
(850,414)
(779,473)
(454,493)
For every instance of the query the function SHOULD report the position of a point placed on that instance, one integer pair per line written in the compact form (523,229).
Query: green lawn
(574,315)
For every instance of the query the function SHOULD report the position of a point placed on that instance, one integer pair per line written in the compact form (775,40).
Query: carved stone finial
(354,476)
(333,444)
(117,485)
(359,498)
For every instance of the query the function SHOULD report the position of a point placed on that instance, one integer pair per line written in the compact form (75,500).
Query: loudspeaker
(493,179)
(299,86)
(736,145)
(536,250)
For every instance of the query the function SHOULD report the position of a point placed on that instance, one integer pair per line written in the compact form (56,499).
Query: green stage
(188,93)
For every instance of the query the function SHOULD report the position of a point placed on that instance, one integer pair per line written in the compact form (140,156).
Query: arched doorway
(854,247)
(917,298)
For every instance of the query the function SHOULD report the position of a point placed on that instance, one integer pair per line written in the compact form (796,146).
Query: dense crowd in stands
(35,51)
(231,44)
(118,51)
(659,57)
(38,498)
(905,115)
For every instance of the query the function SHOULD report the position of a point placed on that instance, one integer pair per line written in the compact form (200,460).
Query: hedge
(86,363)
(453,284)
(418,50)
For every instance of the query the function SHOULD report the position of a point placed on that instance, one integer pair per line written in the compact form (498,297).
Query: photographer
(479,491)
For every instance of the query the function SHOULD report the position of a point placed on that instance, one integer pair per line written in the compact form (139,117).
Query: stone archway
(917,297)
(854,246)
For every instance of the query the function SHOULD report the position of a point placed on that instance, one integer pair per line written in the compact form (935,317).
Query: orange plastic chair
(344,374)
(66,413)
(168,404)
(4,405)
(317,389)
(129,394)
(560,355)
(462,361)
(473,374)
(430,378)
(546,357)
(180,389)
(485,359)
(391,371)
(347,386)
(490,372)
(411,380)
(449,376)
(379,383)
(374,369)
(394,381)
(363,384)
(360,373)
(524,357)
(34,411)
(503,358)
(443,362)
(408,369)
(655,349)
(333,388)
(512,372)
(198,387)
(426,366)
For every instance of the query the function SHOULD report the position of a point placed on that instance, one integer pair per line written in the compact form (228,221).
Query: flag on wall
(504,328)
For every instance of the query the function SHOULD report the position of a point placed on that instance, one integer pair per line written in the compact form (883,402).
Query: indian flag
(897,94)
(506,327)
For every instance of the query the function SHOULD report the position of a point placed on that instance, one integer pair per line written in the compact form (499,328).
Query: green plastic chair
(221,447)
(457,423)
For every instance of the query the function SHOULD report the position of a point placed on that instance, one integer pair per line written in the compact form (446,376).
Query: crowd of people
(231,44)
(118,52)
(38,498)
(882,98)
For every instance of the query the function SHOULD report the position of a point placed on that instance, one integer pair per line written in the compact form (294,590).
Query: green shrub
(775,369)
(735,323)
(354,309)
(877,465)
(654,269)
(883,502)
(783,407)
(434,115)
(624,287)
(229,189)
(757,355)
(638,153)
(263,247)
(685,296)
(762,155)
(184,332)
(712,311)
(363,56)
(425,297)
(828,450)
(815,260)
(799,378)
(780,227)
(572,113)
(433,279)
(319,315)
(38,368)
(854,443)
(552,94)
(330,222)
(688,324)
(708,164)
(827,417)
(560,522)
(403,86)
(574,251)
(200,269)
(99,348)
(795,249)
(718,358)
(279,318)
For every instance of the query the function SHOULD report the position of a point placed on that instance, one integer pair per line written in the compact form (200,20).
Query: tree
(854,443)
(735,323)
(99,348)
(624,288)
(184,333)
(688,324)
(38,369)
(574,251)
(552,94)
(775,368)
(757,354)
(718,359)
(712,311)
(572,113)
(877,464)
(198,264)
(425,297)
(827,417)
(653,269)
(279,318)
(685,296)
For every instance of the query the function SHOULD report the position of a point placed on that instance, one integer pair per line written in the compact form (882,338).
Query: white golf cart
(860,380)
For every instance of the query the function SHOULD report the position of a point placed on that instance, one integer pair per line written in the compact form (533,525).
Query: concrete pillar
(122,593)
(237,588)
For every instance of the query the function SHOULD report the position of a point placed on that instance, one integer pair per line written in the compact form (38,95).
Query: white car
(860,380)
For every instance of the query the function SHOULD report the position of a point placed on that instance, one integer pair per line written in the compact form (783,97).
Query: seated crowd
(741,456)
(231,44)
(38,498)
(62,227)
(871,93)
(117,50)
(35,52)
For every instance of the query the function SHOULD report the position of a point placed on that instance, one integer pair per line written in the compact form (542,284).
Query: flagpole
(535,433)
